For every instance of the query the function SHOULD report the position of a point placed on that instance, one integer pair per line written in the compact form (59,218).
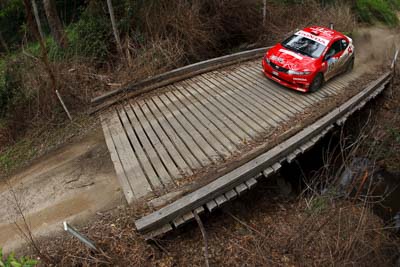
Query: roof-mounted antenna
(331,26)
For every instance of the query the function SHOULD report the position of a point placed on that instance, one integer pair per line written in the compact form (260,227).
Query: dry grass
(261,229)
(37,103)
(384,133)
(306,13)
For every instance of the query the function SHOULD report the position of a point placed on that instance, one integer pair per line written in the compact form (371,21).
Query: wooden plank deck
(243,177)
(163,138)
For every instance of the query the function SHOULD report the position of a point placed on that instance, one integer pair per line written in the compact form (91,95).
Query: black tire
(350,66)
(317,83)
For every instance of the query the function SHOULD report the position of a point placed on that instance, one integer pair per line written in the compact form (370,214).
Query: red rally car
(310,57)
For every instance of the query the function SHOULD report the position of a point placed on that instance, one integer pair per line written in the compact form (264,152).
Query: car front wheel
(317,82)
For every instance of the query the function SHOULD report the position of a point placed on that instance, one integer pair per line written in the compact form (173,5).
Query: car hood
(291,60)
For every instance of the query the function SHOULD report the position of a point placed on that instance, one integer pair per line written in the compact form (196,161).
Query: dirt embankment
(375,46)
(71,183)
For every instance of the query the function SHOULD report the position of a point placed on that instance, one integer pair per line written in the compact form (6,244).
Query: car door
(344,56)
(333,59)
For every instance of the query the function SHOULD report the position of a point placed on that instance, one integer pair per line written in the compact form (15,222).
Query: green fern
(12,261)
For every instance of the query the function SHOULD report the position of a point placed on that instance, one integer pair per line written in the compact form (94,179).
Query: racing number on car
(331,63)
(336,59)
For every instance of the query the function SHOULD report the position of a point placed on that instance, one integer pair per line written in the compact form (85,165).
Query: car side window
(344,44)
(335,48)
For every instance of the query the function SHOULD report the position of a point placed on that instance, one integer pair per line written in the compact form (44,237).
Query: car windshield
(304,45)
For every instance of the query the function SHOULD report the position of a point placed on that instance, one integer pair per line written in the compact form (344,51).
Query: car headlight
(293,72)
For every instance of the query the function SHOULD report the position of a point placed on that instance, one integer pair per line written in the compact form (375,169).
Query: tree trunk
(37,18)
(3,43)
(56,27)
(264,12)
(114,26)
(32,26)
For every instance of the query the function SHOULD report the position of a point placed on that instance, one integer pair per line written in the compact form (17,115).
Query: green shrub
(395,4)
(10,86)
(11,261)
(2,77)
(13,156)
(12,18)
(90,37)
(55,53)
(384,11)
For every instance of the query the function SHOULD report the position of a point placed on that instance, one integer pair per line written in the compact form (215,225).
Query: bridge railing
(110,98)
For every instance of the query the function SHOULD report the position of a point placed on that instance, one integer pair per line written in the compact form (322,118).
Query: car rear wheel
(350,66)
(317,82)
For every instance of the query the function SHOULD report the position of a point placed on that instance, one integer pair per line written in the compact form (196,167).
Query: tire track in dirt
(71,183)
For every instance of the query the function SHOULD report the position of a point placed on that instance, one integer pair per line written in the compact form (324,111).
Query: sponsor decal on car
(291,66)
(331,63)
(300,79)
(278,59)
(313,37)
(293,54)
(322,30)
(350,49)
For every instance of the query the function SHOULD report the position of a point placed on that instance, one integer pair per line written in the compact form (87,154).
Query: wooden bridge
(207,132)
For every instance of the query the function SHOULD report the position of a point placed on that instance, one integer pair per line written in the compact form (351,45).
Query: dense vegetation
(82,55)
(385,11)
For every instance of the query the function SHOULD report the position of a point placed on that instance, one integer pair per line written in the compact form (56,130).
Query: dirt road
(71,183)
